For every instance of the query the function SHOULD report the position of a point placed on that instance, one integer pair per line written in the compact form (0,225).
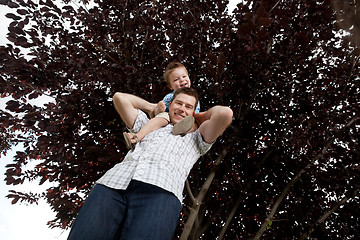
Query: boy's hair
(170,68)
(187,91)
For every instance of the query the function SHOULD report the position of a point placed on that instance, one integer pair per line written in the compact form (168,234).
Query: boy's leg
(101,216)
(152,125)
(153,213)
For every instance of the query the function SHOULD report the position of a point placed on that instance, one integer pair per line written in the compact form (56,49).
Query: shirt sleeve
(140,121)
(202,145)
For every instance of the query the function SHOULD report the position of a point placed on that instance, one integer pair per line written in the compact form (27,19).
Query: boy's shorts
(164,115)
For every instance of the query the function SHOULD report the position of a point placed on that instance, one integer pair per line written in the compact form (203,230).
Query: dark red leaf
(246,28)
(12,105)
(261,12)
(15,200)
(22,41)
(34,95)
(265,21)
(12,16)
(45,9)
(22,11)
(4,2)
(12,5)
(357,52)
(16,30)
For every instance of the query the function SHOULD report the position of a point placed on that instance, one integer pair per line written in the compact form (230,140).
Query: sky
(21,221)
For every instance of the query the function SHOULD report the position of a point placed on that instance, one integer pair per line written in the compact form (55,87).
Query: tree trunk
(196,202)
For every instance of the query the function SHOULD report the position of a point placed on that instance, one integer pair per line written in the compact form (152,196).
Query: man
(140,198)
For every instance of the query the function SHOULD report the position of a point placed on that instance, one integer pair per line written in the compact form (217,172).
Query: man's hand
(200,117)
(127,105)
(214,122)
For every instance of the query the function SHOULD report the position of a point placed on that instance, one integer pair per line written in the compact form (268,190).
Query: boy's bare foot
(152,111)
(158,108)
(161,107)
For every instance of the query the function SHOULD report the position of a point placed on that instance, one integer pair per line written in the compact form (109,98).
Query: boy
(176,76)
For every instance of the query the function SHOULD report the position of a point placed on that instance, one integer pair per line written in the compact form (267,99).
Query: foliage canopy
(286,169)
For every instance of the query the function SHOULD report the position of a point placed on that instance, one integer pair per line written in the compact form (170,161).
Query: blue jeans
(142,211)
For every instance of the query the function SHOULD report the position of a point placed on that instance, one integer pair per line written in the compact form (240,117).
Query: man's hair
(187,91)
(170,68)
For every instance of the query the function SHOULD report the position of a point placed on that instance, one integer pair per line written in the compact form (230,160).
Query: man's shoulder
(140,121)
(201,144)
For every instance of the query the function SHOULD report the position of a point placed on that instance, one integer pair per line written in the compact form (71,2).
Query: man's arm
(127,106)
(214,122)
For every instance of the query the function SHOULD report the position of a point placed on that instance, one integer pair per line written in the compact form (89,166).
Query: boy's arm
(127,105)
(214,122)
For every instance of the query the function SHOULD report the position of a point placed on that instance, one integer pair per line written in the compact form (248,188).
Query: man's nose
(182,107)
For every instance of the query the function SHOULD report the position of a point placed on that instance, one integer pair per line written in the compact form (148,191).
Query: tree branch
(194,210)
(296,178)
(326,215)
(191,195)
(275,6)
(238,202)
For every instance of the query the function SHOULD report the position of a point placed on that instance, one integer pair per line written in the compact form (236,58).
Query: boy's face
(179,78)
(183,105)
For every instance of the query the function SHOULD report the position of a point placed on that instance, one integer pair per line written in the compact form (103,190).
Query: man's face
(183,105)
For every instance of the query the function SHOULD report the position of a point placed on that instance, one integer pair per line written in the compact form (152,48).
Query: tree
(287,167)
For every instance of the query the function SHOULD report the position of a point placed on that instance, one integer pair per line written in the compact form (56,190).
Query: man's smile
(180,115)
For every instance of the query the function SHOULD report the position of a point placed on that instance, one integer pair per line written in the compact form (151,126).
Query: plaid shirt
(160,158)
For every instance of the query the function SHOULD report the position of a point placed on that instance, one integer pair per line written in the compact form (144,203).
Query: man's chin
(176,119)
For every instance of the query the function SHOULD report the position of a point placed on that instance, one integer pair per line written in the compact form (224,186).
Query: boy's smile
(179,78)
